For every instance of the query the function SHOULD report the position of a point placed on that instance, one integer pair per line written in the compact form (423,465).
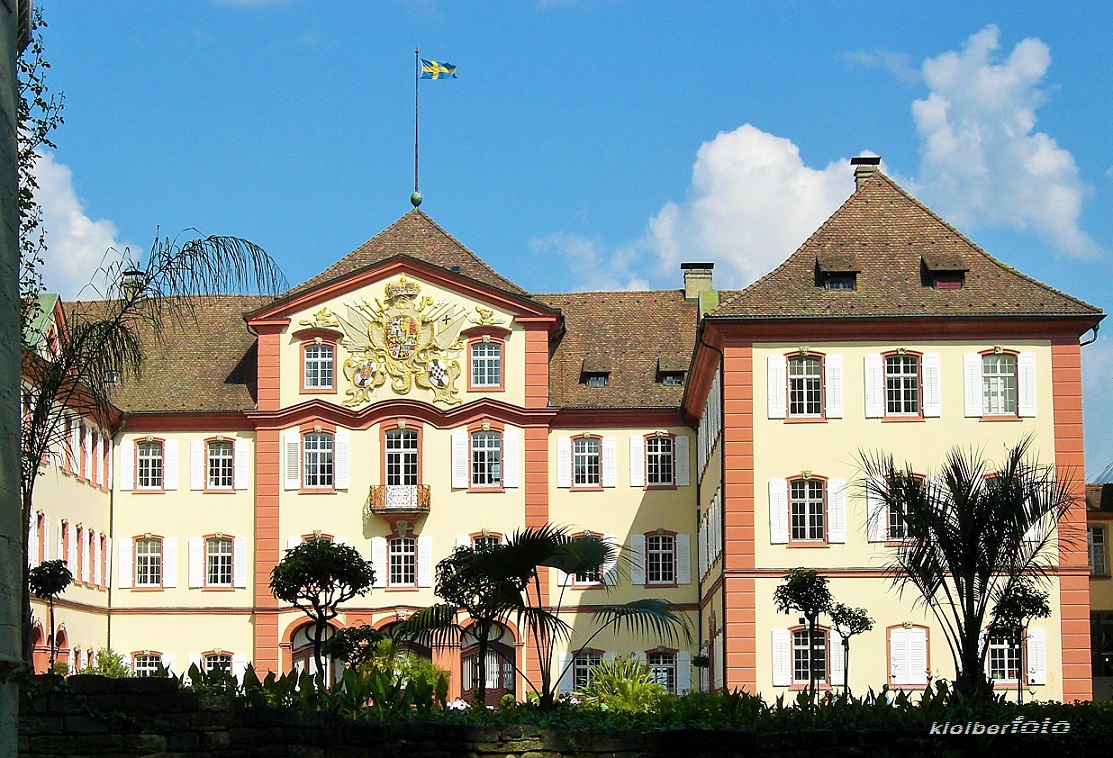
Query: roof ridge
(465,248)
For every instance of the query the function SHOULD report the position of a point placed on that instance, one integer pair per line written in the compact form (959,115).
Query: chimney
(864,167)
(697,279)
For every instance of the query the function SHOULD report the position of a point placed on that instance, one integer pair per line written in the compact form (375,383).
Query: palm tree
(973,534)
(110,337)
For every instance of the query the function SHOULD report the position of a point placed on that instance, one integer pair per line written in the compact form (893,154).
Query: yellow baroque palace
(410,399)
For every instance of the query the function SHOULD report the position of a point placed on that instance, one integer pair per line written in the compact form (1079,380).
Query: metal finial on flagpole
(415,197)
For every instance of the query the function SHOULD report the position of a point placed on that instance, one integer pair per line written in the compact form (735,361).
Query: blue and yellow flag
(435,70)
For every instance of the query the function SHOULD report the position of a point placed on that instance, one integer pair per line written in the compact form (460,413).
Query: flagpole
(415,198)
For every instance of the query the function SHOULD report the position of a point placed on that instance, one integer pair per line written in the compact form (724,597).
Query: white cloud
(897,64)
(981,161)
(77,246)
(1097,397)
(752,202)
(596,268)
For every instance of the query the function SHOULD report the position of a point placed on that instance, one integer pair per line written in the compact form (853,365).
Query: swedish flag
(435,70)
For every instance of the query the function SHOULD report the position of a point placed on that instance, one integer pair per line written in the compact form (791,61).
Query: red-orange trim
(889,653)
(207,488)
(826,632)
(822,417)
(226,421)
(135,585)
(903,417)
(645,461)
(135,488)
(484,337)
(572,462)
(317,426)
(388,426)
(675,560)
(411,410)
(205,586)
(826,526)
(494,426)
(317,338)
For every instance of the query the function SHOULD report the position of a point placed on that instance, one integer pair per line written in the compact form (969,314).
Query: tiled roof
(417,236)
(205,362)
(890,236)
(631,332)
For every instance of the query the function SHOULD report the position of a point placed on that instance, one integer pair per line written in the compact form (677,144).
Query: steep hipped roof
(895,242)
(627,334)
(205,362)
(417,236)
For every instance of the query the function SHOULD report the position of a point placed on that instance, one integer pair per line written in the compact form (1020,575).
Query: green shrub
(108,663)
(622,685)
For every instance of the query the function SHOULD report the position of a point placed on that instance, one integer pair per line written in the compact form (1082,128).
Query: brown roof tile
(890,233)
(632,332)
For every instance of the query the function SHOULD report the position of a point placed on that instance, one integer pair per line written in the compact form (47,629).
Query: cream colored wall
(513,351)
(1101,593)
(182,635)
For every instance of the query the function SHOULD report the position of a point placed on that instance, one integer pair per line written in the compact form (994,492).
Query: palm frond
(648,619)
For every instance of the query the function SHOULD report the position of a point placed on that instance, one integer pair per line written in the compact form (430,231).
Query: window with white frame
(805,386)
(146,664)
(659,461)
(486,364)
(318,461)
(583,666)
(806,510)
(148,562)
(484,541)
(318,367)
(662,666)
(218,662)
(220,458)
(805,656)
(902,385)
(1095,545)
(401,457)
(486,459)
(148,458)
(586,467)
(999,384)
(403,561)
(218,562)
(1003,659)
(660,558)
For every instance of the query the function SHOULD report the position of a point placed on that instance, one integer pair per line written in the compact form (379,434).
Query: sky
(585,144)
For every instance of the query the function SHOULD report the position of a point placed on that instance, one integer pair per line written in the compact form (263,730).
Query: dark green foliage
(622,685)
(806,591)
(849,622)
(108,663)
(1011,615)
(47,581)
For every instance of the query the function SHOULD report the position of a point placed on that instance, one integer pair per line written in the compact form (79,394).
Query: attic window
(671,370)
(672,378)
(837,270)
(948,281)
(595,378)
(841,281)
(943,269)
(111,377)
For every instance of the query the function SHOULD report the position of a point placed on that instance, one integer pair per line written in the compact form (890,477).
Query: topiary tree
(848,622)
(47,581)
(1011,614)
(806,591)
(317,576)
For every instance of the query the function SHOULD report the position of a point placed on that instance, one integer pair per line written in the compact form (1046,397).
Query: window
(78,572)
(1003,659)
(595,379)
(948,281)
(318,461)
(486,459)
(585,462)
(840,281)
(486,364)
(663,669)
(590,576)
(148,562)
(1095,545)
(805,386)
(672,378)
(403,562)
(484,542)
(582,668)
(147,664)
(660,558)
(803,654)
(149,465)
(806,509)
(218,662)
(219,467)
(898,527)
(318,367)
(999,383)
(218,562)
(401,457)
(659,466)
(902,385)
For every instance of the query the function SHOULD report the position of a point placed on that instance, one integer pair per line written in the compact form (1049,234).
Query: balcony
(398,500)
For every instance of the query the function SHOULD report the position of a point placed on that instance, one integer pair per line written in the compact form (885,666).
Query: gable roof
(417,236)
(894,242)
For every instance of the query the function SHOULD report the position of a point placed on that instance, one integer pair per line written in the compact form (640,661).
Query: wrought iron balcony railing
(398,498)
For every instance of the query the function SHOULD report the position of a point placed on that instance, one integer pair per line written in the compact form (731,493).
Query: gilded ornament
(322,319)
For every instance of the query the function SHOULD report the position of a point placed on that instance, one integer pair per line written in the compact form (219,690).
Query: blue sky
(585,144)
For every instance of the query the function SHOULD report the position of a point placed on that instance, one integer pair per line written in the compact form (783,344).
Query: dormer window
(595,371)
(841,281)
(671,370)
(943,270)
(595,378)
(837,270)
(672,378)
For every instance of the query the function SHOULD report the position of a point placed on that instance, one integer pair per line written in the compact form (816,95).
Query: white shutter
(75,445)
(105,452)
(169,562)
(71,554)
(564,668)
(777,386)
(972,385)
(292,542)
(424,561)
(340,540)
(778,511)
(563,579)
(239,562)
(123,569)
(898,655)
(1037,658)
(341,458)
(46,537)
(127,465)
(239,465)
(610,567)
(94,456)
(637,461)
(511,452)
(460,459)
(463,540)
(683,559)
(196,465)
(239,666)
(875,386)
(564,462)
(107,558)
(832,370)
(195,660)
(683,477)
(877,515)
(168,661)
(33,541)
(170,465)
(87,469)
(782,658)
(933,388)
(87,556)
(108,463)
(291,456)
(62,542)
(196,567)
(378,560)
(683,672)
(836,511)
(835,654)
(917,656)
(609,476)
(1026,385)
(97,560)
(639,561)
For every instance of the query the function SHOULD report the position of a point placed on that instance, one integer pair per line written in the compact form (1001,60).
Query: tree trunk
(53,638)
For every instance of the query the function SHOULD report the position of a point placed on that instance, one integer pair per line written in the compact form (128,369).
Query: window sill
(800,687)
(402,588)
(149,492)
(147,589)
(315,491)
(808,543)
(660,585)
(217,589)
(483,488)
(900,419)
(666,487)
(586,488)
(1001,417)
(318,391)
(219,491)
(805,419)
